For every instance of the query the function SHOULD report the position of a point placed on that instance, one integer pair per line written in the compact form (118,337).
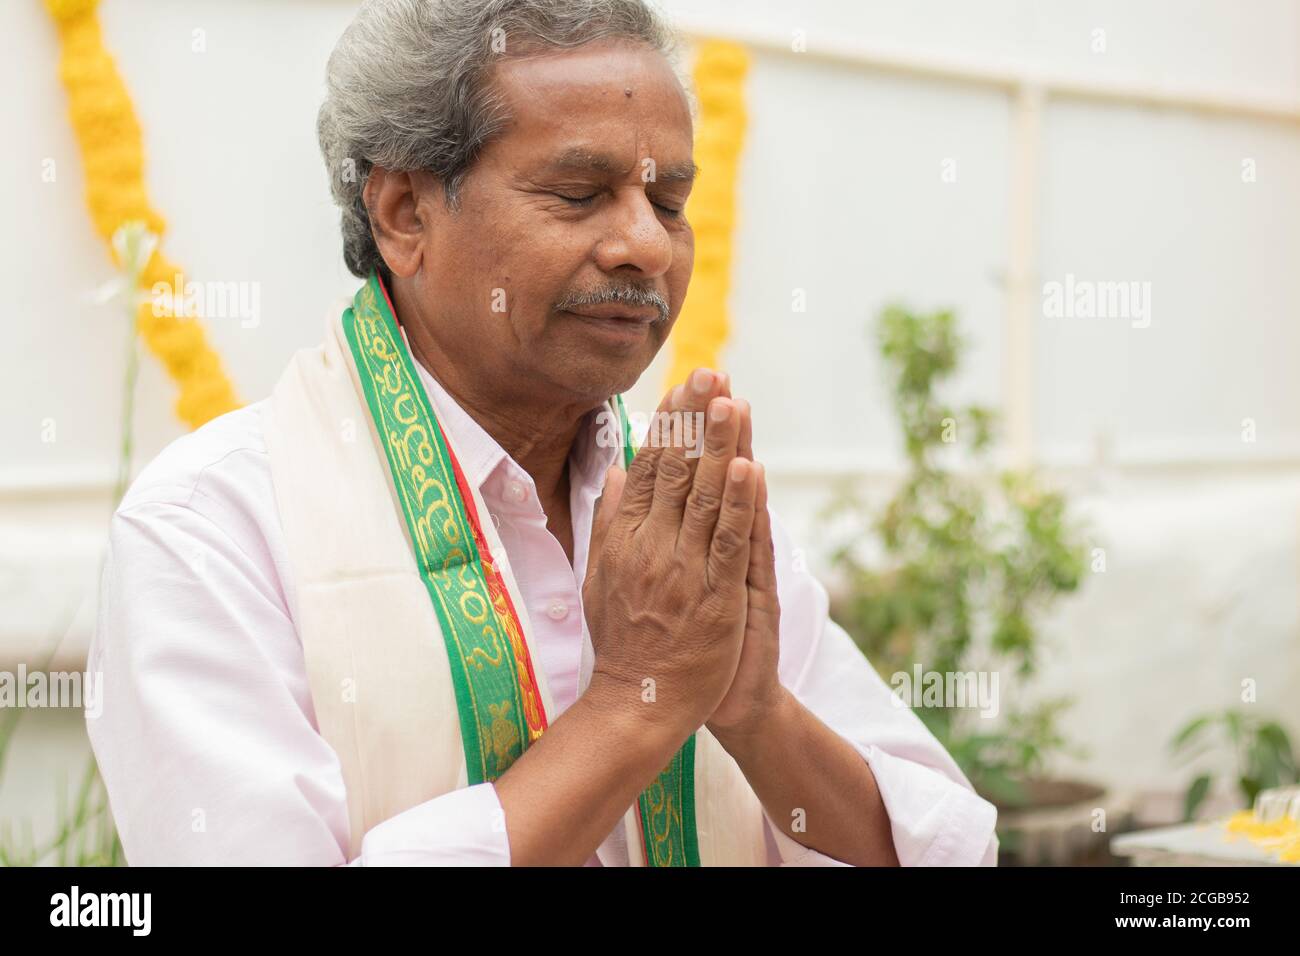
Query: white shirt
(207,740)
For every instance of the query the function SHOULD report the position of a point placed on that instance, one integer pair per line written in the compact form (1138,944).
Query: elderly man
(425,604)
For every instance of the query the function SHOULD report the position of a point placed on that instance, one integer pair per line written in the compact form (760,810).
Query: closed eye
(578,201)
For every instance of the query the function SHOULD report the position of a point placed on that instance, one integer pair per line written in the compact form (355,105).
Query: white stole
(376,661)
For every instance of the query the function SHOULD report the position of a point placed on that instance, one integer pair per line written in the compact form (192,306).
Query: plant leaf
(1195,796)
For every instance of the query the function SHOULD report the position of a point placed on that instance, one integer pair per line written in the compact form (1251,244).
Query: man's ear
(399,224)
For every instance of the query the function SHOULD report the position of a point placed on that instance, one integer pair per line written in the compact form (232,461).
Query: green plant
(966,558)
(84,833)
(1262,748)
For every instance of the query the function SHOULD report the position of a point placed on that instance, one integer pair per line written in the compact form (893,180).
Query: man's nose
(636,238)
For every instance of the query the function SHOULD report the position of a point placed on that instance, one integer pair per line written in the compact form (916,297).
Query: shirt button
(516,491)
(558,611)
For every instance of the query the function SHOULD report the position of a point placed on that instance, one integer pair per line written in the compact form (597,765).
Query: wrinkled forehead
(612,98)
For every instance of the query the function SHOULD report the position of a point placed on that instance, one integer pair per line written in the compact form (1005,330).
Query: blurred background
(1050,238)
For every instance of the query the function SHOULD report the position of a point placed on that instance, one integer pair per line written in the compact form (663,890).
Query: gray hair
(408,87)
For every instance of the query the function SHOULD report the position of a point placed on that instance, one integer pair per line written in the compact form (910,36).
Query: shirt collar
(480,455)
(476,450)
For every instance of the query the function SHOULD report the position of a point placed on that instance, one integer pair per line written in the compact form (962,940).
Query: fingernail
(719,411)
(677,395)
(701,381)
(739,469)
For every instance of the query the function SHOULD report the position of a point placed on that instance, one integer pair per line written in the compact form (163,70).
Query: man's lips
(622,328)
(620,312)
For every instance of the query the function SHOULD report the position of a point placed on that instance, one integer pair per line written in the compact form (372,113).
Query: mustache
(626,294)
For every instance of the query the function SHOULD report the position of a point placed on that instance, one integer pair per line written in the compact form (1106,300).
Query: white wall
(841,196)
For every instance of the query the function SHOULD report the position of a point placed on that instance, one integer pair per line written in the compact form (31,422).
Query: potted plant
(1262,747)
(948,577)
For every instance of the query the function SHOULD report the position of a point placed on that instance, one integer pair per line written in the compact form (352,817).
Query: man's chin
(595,376)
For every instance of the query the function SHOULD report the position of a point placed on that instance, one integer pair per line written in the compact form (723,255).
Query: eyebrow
(580,160)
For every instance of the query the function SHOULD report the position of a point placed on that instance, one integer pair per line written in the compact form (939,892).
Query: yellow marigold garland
(112,153)
(702,328)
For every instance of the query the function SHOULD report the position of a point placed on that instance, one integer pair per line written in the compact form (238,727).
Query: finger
(677,461)
(638,488)
(673,478)
(762,602)
(762,549)
(745,444)
(688,403)
(707,489)
(638,492)
(658,436)
(606,508)
(729,549)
